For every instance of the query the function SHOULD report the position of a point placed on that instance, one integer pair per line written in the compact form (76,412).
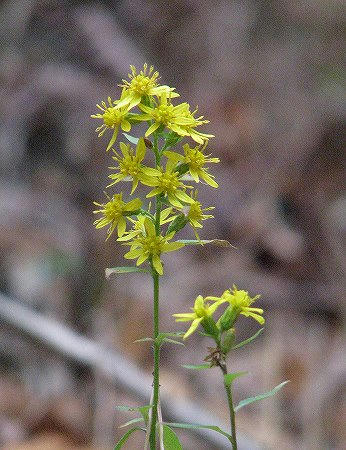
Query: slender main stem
(228,389)
(232,415)
(156,279)
(156,379)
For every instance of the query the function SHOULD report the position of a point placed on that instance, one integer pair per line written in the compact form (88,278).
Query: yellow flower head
(177,118)
(113,213)
(147,245)
(241,303)
(142,84)
(195,213)
(195,159)
(113,118)
(166,181)
(129,165)
(201,310)
(138,225)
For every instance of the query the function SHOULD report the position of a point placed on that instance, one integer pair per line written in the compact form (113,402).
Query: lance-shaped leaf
(170,439)
(197,366)
(258,397)
(131,139)
(195,426)
(162,337)
(145,339)
(125,437)
(247,341)
(131,422)
(124,269)
(217,242)
(230,377)
(173,341)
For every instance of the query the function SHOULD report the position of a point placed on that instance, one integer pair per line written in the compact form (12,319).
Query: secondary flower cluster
(239,303)
(144,101)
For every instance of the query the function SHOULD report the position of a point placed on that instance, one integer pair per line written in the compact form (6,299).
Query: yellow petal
(121,226)
(157,264)
(193,327)
(114,138)
(152,128)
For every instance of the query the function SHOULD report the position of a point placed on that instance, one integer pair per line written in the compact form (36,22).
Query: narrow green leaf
(247,341)
(132,408)
(173,341)
(172,333)
(170,439)
(217,242)
(195,426)
(230,377)
(124,269)
(145,339)
(130,422)
(258,397)
(131,139)
(197,366)
(162,337)
(125,437)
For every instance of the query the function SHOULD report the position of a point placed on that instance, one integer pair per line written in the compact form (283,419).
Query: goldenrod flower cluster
(143,102)
(239,303)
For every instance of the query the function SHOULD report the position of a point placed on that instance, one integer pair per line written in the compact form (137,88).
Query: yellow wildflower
(114,212)
(138,225)
(201,310)
(142,84)
(177,118)
(166,181)
(195,213)
(130,164)
(147,245)
(195,159)
(113,118)
(241,302)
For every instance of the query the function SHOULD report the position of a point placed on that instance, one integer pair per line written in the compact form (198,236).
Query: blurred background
(268,75)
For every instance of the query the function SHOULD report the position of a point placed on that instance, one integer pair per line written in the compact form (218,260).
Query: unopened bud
(228,341)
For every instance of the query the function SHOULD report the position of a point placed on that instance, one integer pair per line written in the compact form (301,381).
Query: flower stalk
(156,317)
(156,348)
(228,389)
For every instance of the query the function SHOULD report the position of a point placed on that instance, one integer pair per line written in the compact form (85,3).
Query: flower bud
(228,318)
(178,223)
(228,341)
(210,327)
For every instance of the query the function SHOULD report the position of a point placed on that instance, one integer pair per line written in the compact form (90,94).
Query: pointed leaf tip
(170,439)
(247,341)
(249,400)
(125,438)
(124,269)
(216,242)
(197,366)
(131,139)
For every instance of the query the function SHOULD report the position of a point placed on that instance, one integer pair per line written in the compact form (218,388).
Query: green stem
(228,388)
(156,379)
(156,279)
